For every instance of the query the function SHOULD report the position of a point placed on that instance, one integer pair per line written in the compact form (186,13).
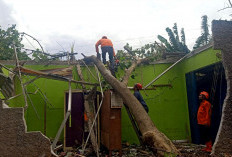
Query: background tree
(7,38)
(205,36)
(154,51)
(38,56)
(174,44)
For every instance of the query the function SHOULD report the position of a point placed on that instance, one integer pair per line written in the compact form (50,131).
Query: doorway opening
(210,79)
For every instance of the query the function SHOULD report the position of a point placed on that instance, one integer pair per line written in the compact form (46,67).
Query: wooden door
(74,128)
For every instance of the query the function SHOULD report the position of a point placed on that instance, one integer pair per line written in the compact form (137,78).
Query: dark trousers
(146,108)
(205,133)
(110,51)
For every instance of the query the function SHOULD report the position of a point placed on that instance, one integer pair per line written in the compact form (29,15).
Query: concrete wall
(15,141)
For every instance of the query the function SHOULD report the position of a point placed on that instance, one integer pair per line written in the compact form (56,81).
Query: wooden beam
(31,72)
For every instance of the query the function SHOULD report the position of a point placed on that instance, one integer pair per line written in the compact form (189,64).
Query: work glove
(98,56)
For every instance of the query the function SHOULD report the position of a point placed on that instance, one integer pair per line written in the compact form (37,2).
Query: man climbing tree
(106,46)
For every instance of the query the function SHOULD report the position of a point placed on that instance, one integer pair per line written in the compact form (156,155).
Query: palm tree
(205,36)
(174,44)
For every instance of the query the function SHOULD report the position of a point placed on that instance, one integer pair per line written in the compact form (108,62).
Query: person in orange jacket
(106,46)
(204,120)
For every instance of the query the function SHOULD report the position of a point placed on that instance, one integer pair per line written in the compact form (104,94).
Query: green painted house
(172,103)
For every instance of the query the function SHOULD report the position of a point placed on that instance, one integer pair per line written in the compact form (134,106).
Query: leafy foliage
(205,36)
(174,44)
(154,51)
(7,38)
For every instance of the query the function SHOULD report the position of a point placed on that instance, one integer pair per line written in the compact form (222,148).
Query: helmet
(104,37)
(206,94)
(138,86)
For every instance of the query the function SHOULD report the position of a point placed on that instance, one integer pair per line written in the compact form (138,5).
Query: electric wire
(29,42)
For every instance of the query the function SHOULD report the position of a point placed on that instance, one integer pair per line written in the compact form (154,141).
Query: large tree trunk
(151,135)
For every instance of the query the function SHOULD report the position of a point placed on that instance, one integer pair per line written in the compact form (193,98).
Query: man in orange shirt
(204,120)
(106,46)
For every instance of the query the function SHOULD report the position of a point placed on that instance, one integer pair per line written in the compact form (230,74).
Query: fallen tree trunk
(151,135)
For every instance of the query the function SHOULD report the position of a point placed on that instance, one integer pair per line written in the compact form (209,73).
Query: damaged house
(57,96)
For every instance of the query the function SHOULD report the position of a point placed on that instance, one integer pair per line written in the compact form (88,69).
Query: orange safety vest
(103,42)
(204,113)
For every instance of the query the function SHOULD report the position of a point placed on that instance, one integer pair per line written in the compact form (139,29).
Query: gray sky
(137,22)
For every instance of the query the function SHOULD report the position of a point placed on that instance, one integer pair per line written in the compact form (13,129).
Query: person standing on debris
(204,120)
(106,46)
(137,94)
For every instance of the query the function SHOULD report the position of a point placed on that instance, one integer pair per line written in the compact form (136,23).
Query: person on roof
(204,120)
(106,46)
(137,94)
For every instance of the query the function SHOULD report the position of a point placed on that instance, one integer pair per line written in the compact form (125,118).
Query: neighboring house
(172,105)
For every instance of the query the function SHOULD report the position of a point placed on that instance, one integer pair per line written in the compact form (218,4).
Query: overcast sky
(59,23)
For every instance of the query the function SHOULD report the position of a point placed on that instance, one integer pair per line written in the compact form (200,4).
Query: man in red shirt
(106,46)
(204,120)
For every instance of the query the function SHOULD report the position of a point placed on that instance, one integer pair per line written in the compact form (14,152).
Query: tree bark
(151,135)
(222,36)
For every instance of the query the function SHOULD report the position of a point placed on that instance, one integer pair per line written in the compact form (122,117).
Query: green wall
(54,91)
(168,107)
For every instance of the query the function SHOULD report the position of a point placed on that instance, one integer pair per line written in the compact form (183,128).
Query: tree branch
(128,71)
(230,3)
(224,8)
(229,6)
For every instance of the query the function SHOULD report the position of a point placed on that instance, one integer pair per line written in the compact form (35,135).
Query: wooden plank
(51,76)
